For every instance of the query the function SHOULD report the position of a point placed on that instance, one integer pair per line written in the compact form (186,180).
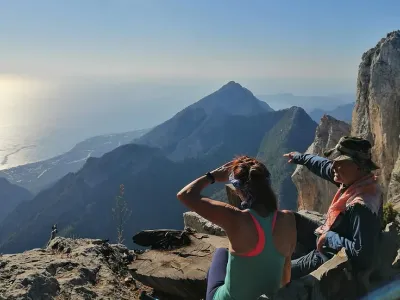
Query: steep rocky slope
(315,193)
(280,131)
(199,128)
(377,111)
(295,130)
(10,196)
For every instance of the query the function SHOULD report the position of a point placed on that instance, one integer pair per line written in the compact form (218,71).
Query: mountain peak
(231,85)
(233,99)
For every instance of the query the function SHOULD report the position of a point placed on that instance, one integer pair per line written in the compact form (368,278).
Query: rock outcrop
(180,271)
(69,269)
(315,193)
(376,115)
(200,225)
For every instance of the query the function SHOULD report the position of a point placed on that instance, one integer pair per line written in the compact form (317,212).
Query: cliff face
(394,185)
(315,193)
(376,115)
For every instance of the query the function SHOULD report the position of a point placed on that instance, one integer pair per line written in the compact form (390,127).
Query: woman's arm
(220,213)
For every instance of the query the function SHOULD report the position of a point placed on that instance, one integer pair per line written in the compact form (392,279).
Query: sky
(304,46)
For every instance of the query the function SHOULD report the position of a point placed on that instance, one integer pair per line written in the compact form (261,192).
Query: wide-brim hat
(355,149)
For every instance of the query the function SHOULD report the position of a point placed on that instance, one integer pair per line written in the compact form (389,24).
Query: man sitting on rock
(354,216)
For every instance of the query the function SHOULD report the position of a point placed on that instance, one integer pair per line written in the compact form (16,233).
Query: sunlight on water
(22,118)
(40,119)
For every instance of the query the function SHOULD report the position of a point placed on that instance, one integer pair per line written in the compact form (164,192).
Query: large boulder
(314,193)
(201,225)
(377,109)
(336,280)
(181,271)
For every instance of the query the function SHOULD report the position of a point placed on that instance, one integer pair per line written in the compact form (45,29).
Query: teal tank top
(249,277)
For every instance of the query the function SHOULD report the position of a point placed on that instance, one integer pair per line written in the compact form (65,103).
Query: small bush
(389,214)
(121,213)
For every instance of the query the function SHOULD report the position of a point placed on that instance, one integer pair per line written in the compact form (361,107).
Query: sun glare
(15,89)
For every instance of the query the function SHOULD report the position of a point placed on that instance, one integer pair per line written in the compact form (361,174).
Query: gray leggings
(217,272)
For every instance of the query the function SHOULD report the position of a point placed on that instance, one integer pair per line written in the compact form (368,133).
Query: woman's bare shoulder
(287,218)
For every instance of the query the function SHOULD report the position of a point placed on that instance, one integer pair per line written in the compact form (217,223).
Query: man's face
(346,172)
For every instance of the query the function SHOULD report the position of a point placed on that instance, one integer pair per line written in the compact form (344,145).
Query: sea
(31,132)
(40,123)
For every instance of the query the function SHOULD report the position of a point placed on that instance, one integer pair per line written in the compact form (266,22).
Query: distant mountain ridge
(308,103)
(152,172)
(342,112)
(39,175)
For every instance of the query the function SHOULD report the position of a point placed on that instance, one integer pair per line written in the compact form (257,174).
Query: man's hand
(290,156)
(321,242)
(221,174)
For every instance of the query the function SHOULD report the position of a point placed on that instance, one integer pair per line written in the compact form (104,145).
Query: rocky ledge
(69,269)
(174,267)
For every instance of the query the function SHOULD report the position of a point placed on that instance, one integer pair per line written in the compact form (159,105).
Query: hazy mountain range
(308,103)
(342,112)
(153,165)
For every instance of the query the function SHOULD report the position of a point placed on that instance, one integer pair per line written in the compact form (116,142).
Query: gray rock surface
(199,224)
(180,272)
(376,115)
(68,269)
(315,193)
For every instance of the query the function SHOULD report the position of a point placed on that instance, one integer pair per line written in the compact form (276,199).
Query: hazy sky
(269,46)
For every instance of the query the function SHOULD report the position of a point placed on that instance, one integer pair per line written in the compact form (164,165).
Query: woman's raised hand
(221,174)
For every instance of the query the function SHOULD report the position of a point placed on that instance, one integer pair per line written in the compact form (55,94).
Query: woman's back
(260,270)
(259,255)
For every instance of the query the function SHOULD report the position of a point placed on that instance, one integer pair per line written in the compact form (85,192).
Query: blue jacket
(357,229)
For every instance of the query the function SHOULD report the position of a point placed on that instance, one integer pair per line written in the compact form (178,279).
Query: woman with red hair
(262,239)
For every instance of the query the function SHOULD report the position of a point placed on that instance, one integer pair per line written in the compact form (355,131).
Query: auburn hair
(251,172)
